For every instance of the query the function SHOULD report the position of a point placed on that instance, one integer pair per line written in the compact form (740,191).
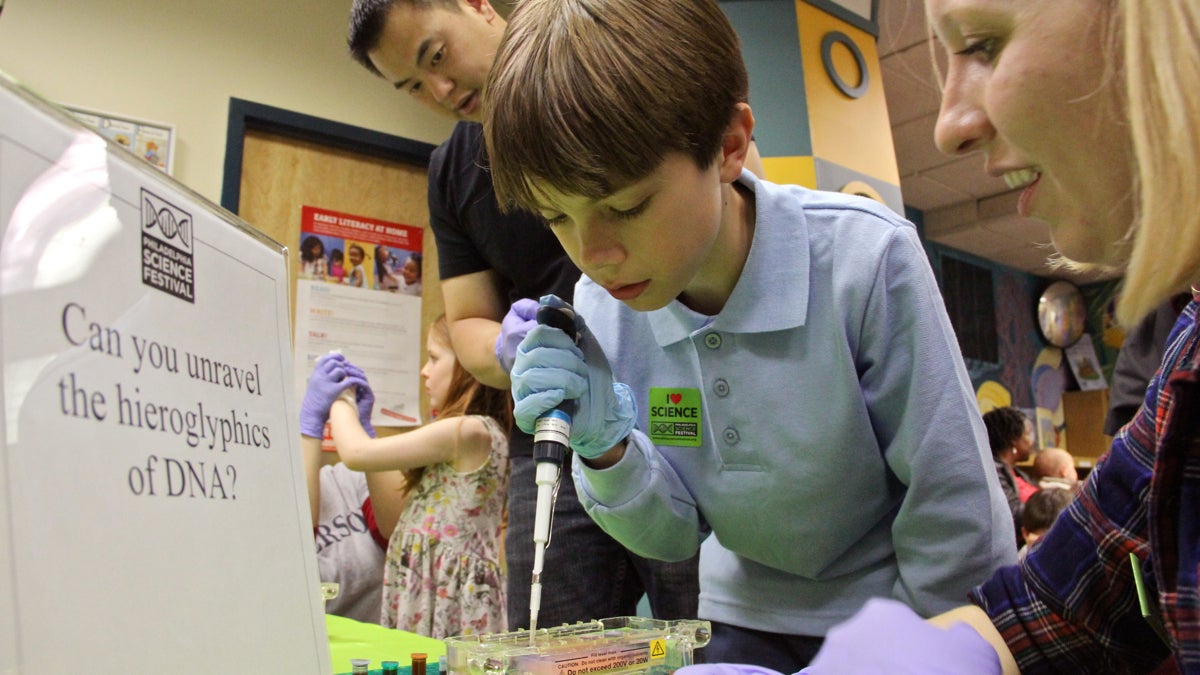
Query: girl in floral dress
(442,574)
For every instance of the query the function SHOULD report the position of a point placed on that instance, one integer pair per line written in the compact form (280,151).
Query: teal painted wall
(770,44)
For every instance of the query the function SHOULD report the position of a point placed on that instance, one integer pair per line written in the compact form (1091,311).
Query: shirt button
(731,436)
(721,388)
(712,341)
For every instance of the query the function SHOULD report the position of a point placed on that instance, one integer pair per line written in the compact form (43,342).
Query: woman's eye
(985,48)
(414,89)
(437,56)
(554,221)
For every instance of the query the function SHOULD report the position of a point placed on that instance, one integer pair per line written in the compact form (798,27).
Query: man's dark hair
(367,21)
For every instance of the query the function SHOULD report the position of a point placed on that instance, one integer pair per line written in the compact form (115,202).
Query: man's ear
(736,143)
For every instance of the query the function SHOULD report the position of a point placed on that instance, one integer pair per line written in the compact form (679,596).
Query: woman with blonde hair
(1092,109)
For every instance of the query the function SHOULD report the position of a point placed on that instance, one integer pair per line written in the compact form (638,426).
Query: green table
(350,639)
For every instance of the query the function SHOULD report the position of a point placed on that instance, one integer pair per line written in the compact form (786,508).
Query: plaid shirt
(1071,606)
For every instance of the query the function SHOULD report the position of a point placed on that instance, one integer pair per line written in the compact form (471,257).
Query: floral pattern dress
(442,576)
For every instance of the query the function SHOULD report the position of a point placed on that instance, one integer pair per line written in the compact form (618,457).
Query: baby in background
(1055,467)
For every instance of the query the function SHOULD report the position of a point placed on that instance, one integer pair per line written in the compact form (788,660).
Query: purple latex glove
(364,398)
(725,669)
(329,379)
(885,636)
(521,318)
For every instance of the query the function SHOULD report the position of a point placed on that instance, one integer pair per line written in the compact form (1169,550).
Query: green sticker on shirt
(675,416)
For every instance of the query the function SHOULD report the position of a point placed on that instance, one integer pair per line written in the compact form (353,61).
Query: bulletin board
(289,162)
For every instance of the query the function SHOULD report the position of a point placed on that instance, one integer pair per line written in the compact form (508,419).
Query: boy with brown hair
(783,375)
(438,52)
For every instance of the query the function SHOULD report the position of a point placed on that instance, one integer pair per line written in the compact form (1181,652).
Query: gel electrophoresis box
(627,645)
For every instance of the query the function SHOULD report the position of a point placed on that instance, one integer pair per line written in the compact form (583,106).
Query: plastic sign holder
(153,509)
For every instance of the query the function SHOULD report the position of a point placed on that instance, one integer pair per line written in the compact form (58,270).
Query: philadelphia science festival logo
(167,247)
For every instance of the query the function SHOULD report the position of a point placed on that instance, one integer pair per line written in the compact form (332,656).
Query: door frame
(247,115)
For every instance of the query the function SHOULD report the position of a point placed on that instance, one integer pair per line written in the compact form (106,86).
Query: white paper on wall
(1084,364)
(379,332)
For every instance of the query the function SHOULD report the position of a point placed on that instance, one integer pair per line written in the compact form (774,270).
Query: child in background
(1040,511)
(312,258)
(336,271)
(410,275)
(443,572)
(385,269)
(783,374)
(358,275)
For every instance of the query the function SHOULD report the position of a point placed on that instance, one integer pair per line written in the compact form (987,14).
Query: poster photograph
(358,291)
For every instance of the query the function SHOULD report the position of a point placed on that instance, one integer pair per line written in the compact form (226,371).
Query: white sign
(152,489)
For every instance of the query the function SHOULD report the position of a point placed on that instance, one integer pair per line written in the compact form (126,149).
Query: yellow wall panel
(852,132)
(791,170)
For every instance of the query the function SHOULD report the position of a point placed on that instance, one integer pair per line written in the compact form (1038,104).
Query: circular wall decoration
(1061,313)
(857,187)
(837,37)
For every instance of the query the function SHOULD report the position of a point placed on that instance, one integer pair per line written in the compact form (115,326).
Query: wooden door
(281,173)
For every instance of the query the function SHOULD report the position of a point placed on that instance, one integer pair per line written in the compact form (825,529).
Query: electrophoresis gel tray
(626,645)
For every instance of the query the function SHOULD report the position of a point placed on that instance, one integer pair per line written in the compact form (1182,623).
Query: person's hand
(364,398)
(329,378)
(521,318)
(725,669)
(886,636)
(549,369)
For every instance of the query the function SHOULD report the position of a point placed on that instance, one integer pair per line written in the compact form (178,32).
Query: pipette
(551,438)
(549,469)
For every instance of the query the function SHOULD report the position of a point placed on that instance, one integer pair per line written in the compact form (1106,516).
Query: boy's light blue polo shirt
(841,453)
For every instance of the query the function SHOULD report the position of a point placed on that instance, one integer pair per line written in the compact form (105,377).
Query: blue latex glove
(328,380)
(885,636)
(550,369)
(521,318)
(364,398)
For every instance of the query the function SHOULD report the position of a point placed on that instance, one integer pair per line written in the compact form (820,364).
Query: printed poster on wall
(154,511)
(359,292)
(152,141)
(1084,364)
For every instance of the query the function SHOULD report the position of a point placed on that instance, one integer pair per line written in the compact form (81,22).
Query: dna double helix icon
(170,226)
